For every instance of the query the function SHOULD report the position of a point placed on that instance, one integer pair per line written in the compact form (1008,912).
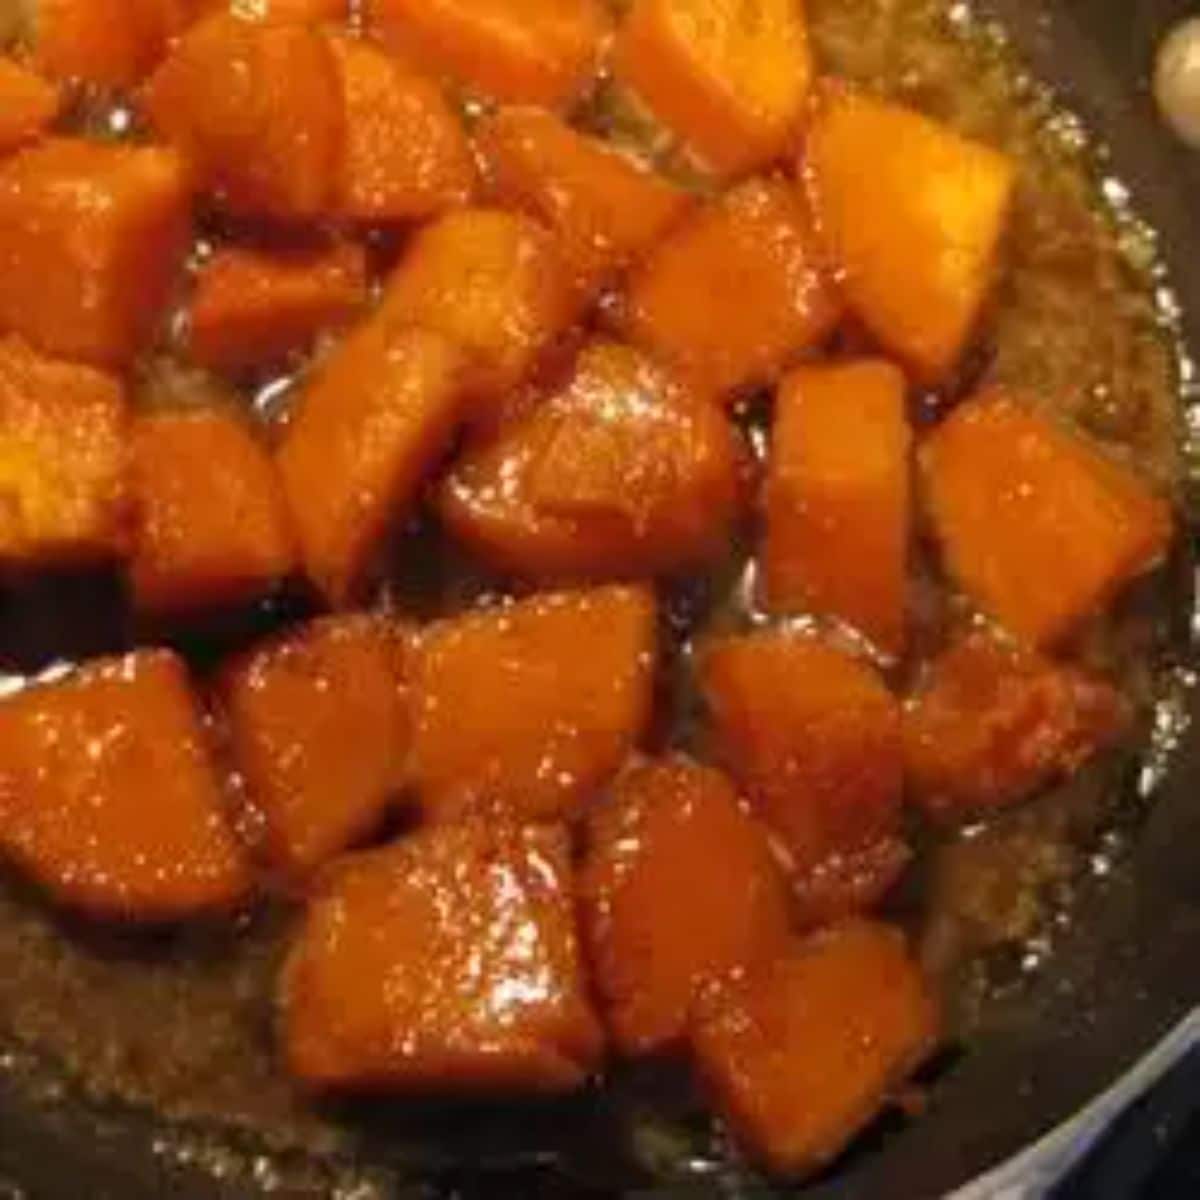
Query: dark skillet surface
(1119,982)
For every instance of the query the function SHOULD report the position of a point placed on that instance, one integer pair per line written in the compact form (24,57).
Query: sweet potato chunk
(815,738)
(1039,529)
(311,12)
(320,730)
(993,723)
(627,472)
(729,77)
(538,51)
(373,422)
(529,708)
(252,308)
(446,963)
(406,154)
(91,238)
(915,236)
(212,528)
(107,798)
(257,108)
(802,1055)
(838,499)
(737,291)
(671,830)
(64,451)
(494,283)
(27,105)
(115,44)
(605,209)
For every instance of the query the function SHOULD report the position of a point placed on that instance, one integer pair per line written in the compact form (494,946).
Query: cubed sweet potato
(731,78)
(373,422)
(529,708)
(915,236)
(252,308)
(737,291)
(319,725)
(28,103)
(992,723)
(1039,529)
(64,456)
(446,963)
(114,44)
(815,738)
(627,472)
(605,208)
(257,108)
(838,499)
(212,528)
(673,830)
(108,799)
(800,1056)
(311,12)
(494,283)
(537,51)
(92,237)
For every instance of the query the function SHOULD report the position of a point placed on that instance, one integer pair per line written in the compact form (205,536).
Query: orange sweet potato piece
(373,422)
(91,238)
(257,108)
(311,12)
(252,308)
(537,51)
(915,236)
(729,77)
(529,708)
(64,453)
(838,499)
(320,730)
(991,724)
(672,829)
(108,798)
(815,738)
(800,1056)
(406,153)
(28,103)
(605,208)
(1038,529)
(494,283)
(212,528)
(627,472)
(737,291)
(448,963)
(114,44)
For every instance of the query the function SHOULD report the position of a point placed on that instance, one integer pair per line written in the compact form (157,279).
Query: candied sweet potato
(674,831)
(91,240)
(108,799)
(320,728)
(737,290)
(537,51)
(815,738)
(605,208)
(729,77)
(114,44)
(64,454)
(626,472)
(252,308)
(212,528)
(28,103)
(838,499)
(913,215)
(406,154)
(493,282)
(992,723)
(448,963)
(257,108)
(1039,529)
(801,1055)
(528,708)
(375,419)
